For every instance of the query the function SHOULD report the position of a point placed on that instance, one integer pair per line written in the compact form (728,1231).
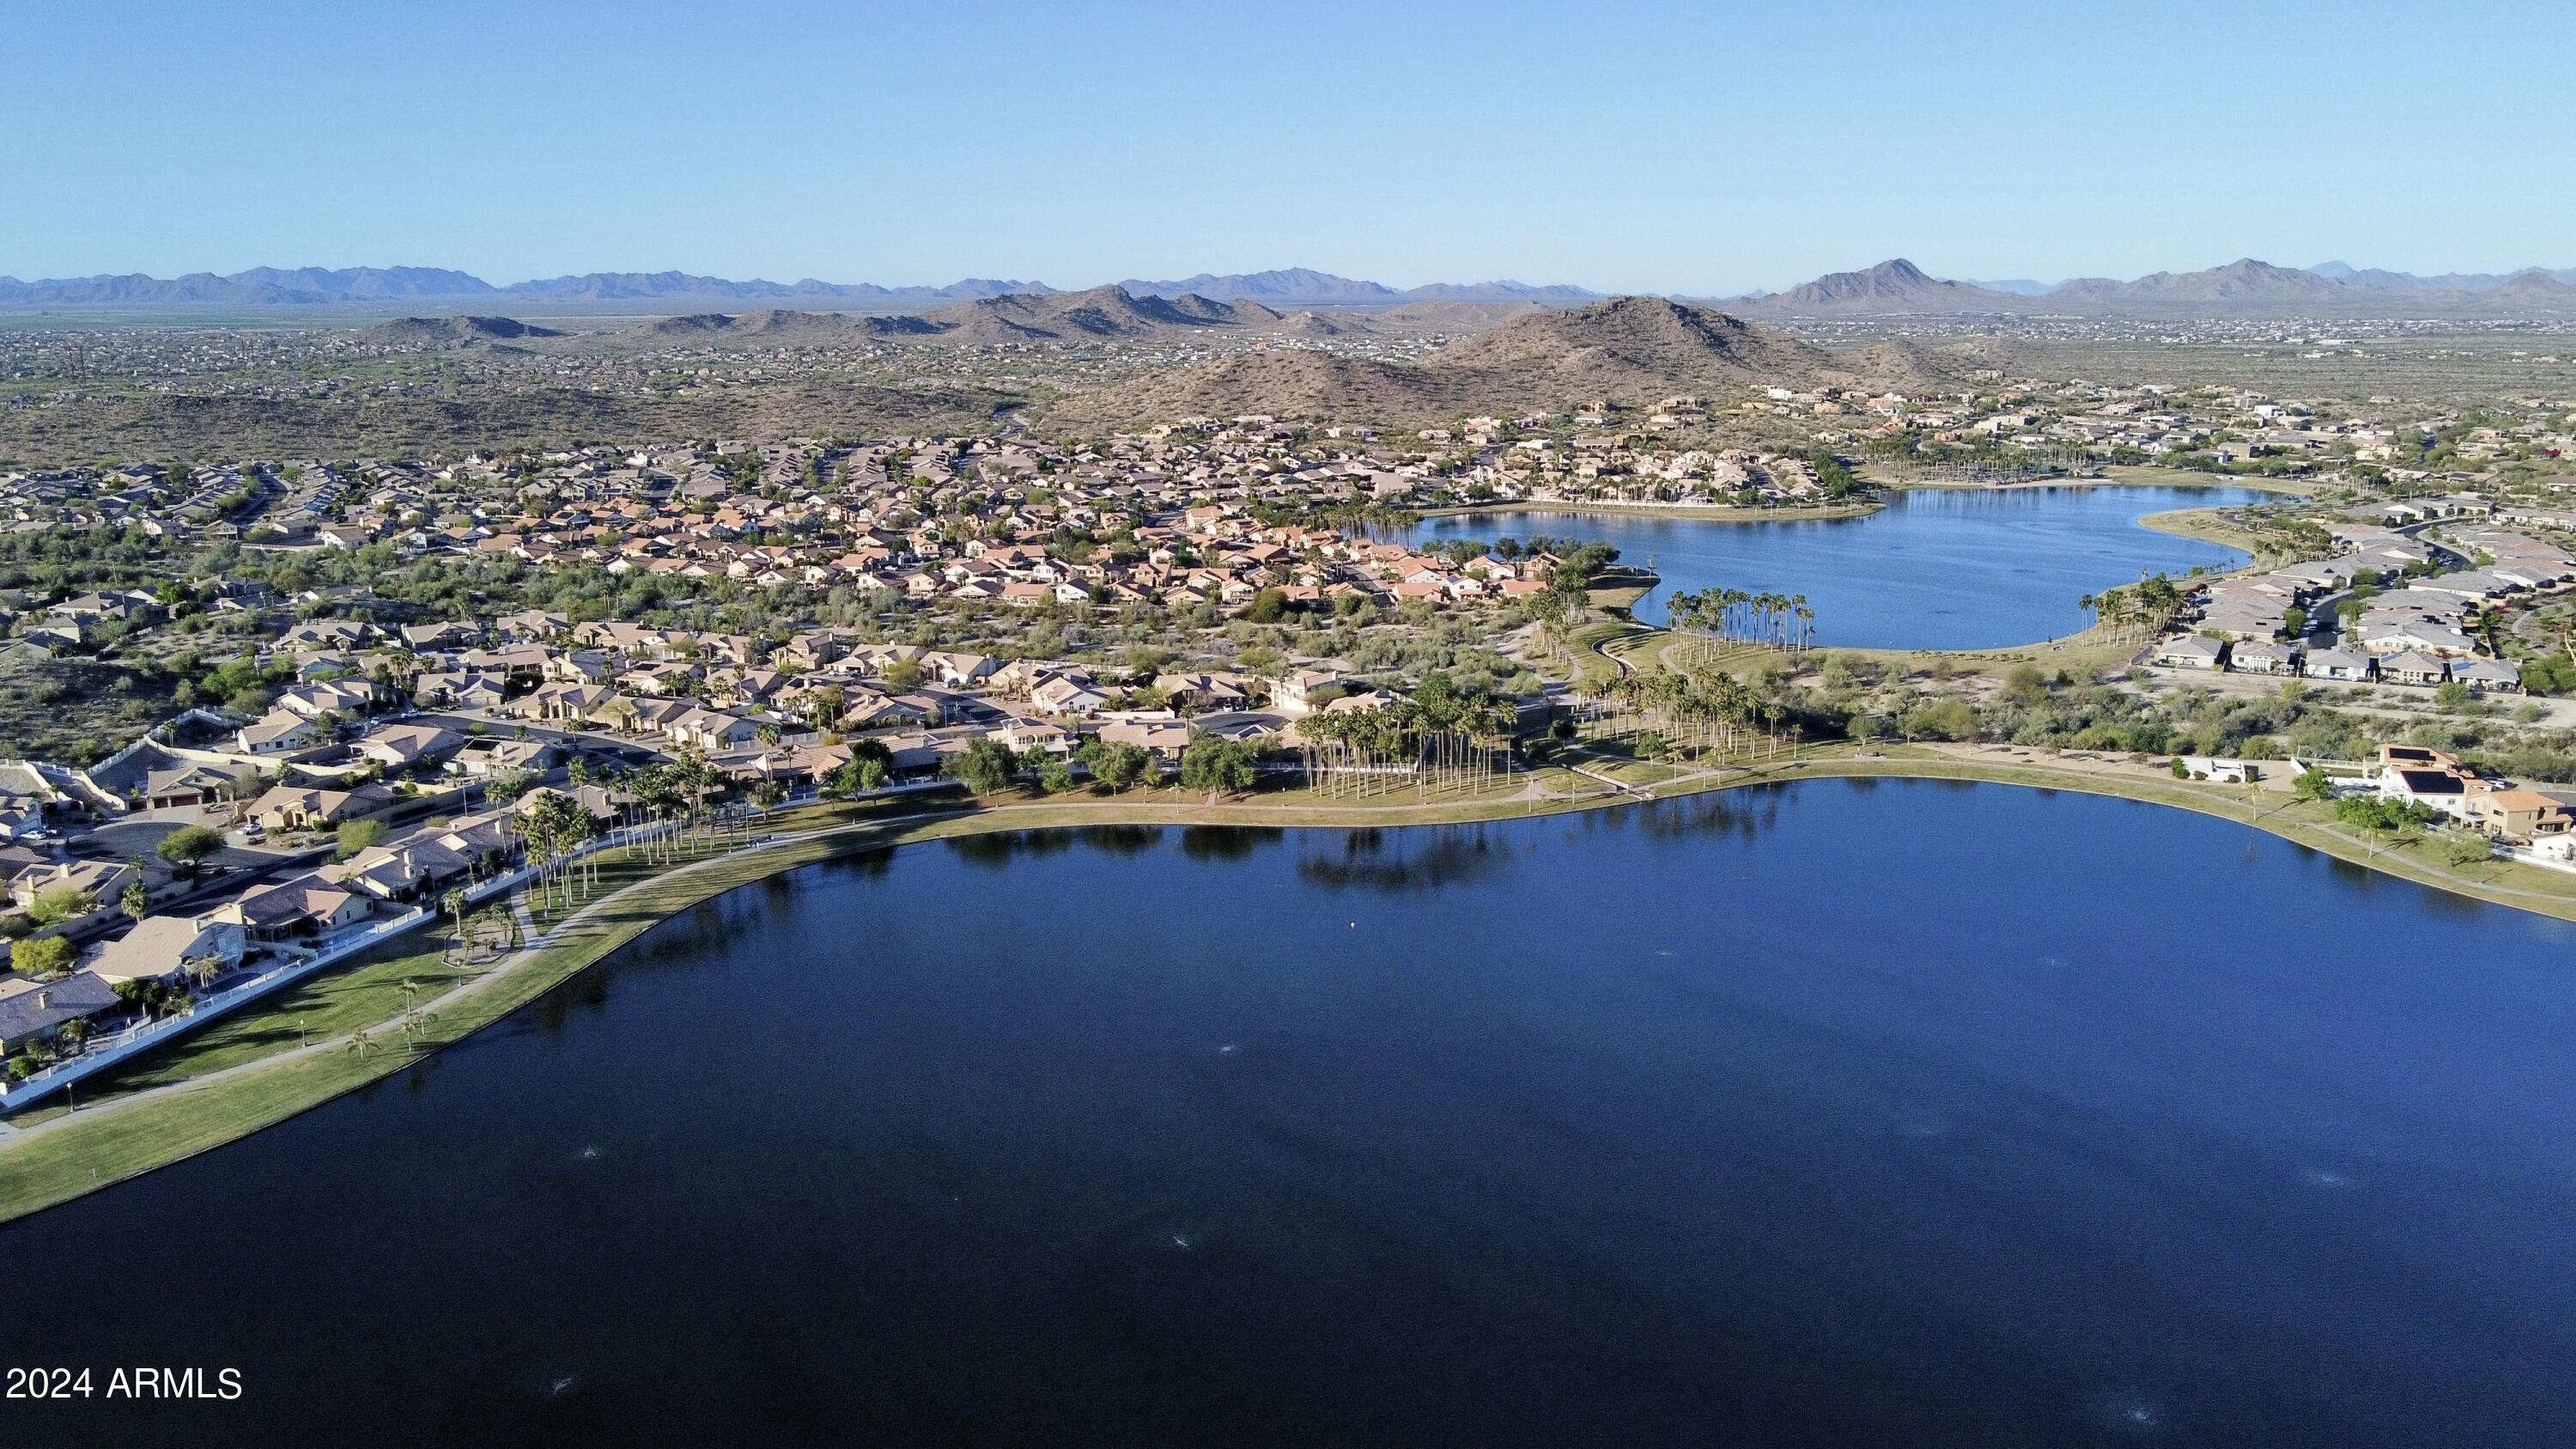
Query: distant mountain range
(323,286)
(2245,287)
(1895,287)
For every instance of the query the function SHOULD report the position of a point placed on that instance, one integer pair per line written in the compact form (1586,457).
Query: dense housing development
(372,691)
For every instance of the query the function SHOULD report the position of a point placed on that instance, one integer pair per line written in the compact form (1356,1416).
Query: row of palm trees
(658,807)
(1777,621)
(1705,708)
(1438,738)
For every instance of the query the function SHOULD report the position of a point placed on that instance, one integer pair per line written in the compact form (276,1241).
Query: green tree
(985,767)
(1214,763)
(1950,719)
(40,956)
(136,899)
(189,846)
(1117,765)
(57,903)
(357,835)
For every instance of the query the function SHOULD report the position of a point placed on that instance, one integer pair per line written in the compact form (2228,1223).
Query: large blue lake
(1935,569)
(1844,1113)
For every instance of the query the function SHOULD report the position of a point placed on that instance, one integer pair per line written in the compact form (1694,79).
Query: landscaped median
(250,1074)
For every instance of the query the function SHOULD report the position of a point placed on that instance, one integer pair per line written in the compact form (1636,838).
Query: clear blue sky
(1695,148)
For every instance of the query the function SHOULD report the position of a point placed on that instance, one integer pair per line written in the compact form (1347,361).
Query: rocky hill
(1102,314)
(451,331)
(2238,283)
(1311,323)
(1890,288)
(1630,344)
(1632,349)
(779,325)
(2535,290)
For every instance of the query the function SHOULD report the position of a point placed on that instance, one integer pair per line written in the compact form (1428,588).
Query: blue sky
(1692,148)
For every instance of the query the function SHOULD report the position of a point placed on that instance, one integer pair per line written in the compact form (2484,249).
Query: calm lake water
(1935,569)
(1843,1113)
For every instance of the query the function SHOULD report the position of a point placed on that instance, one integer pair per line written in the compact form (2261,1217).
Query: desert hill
(1633,349)
(779,325)
(1101,313)
(451,331)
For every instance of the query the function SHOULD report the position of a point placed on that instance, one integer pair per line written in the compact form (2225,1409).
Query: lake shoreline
(164,1125)
(1939,568)
(1732,513)
(2177,479)
(1697,512)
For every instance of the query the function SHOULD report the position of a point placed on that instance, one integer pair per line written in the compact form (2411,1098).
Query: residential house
(2262,656)
(401,748)
(1067,694)
(307,904)
(2192,651)
(279,732)
(1295,694)
(2414,667)
(2487,675)
(33,1011)
(102,881)
(164,948)
(2520,815)
(2338,664)
(291,807)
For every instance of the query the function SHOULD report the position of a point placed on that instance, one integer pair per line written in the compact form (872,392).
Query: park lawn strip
(1592,644)
(365,992)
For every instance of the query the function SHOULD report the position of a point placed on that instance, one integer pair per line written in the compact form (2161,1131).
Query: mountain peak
(1894,285)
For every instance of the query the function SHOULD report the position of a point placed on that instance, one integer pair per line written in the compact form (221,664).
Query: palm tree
(454,904)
